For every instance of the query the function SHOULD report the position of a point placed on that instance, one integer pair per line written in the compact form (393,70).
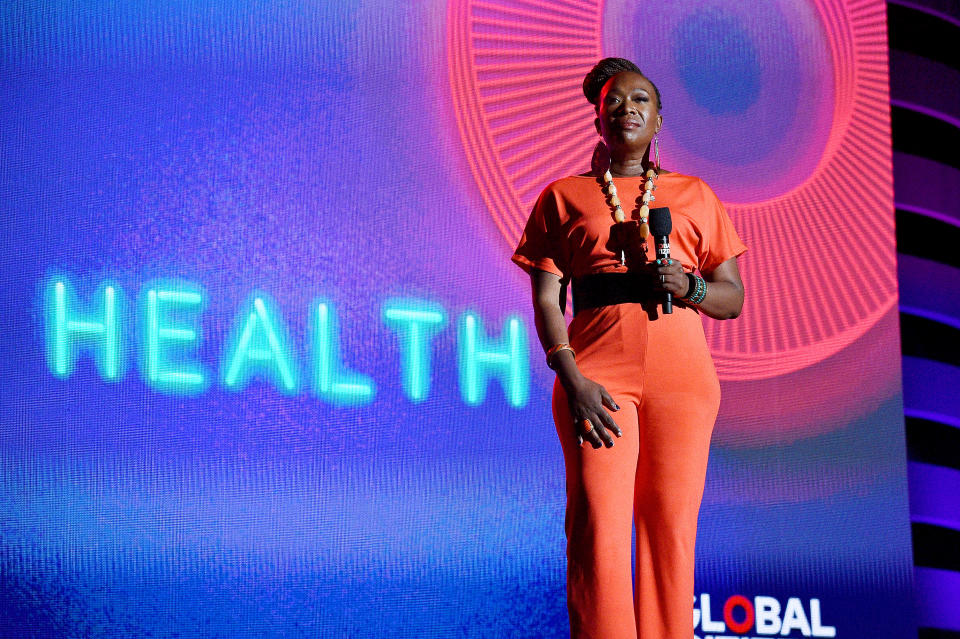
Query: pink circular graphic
(747,88)
(821,269)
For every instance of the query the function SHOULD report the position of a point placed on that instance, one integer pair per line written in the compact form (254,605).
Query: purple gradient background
(313,151)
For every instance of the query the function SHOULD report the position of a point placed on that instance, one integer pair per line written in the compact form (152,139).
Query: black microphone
(660,227)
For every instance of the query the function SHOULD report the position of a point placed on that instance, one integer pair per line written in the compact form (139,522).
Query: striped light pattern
(925,77)
(515,71)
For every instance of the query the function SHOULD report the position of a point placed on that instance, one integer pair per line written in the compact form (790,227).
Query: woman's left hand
(669,276)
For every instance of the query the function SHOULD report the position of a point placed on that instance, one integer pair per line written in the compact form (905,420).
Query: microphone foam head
(660,223)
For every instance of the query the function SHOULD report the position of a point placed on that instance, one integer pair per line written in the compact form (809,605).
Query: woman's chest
(592,231)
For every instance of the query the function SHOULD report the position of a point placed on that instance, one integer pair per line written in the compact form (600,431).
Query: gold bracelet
(556,348)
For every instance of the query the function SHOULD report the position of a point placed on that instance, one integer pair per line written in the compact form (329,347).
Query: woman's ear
(596,123)
(659,123)
(600,161)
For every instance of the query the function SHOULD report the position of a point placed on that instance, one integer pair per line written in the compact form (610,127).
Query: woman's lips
(629,123)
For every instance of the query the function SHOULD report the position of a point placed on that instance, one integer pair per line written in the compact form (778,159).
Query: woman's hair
(606,69)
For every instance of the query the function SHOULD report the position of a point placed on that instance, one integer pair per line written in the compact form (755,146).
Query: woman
(629,373)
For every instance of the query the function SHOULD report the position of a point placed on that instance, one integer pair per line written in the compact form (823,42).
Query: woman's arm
(724,298)
(585,397)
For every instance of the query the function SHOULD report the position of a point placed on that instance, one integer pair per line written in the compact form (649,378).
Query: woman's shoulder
(689,184)
(680,178)
(572,188)
(573,183)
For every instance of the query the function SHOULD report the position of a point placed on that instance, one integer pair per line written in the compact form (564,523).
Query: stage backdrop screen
(266,368)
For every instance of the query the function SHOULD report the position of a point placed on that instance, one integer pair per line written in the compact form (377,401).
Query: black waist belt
(607,289)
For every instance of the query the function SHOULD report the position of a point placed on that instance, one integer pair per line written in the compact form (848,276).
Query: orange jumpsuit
(659,371)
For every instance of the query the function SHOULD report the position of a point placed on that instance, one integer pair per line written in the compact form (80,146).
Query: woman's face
(627,115)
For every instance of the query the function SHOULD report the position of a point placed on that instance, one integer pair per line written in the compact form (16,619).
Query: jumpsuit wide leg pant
(660,373)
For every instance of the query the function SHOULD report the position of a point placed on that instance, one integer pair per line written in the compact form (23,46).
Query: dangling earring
(656,150)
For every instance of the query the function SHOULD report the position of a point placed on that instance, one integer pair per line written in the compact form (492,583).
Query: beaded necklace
(649,185)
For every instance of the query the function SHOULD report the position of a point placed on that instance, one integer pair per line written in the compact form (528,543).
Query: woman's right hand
(587,400)
(585,397)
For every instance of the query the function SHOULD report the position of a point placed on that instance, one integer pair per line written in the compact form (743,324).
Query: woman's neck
(628,165)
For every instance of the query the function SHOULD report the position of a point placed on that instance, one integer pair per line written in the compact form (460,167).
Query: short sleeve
(719,240)
(540,245)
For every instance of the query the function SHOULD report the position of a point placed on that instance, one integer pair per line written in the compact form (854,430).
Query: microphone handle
(663,253)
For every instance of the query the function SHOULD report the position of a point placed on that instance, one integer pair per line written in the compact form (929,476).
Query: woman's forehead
(628,81)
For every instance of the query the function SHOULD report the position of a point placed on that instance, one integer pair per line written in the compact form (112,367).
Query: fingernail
(615,407)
